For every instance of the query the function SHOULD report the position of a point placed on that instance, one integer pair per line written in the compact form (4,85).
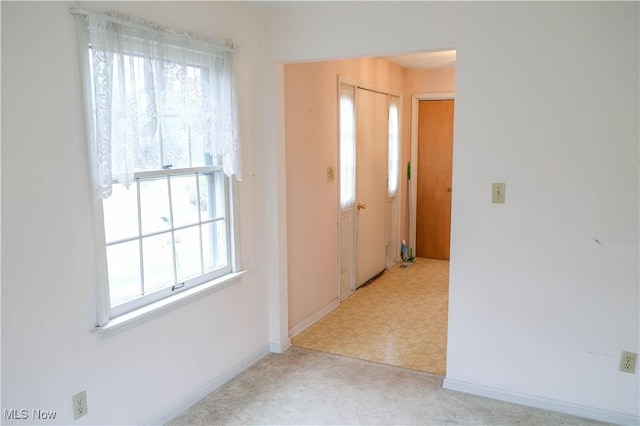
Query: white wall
(546,101)
(49,352)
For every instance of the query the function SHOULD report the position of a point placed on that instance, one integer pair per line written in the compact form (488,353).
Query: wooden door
(372,136)
(435,151)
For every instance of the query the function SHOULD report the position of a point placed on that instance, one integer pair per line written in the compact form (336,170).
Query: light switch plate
(498,193)
(330,175)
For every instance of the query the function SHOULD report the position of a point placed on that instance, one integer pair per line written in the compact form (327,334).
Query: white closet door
(372,137)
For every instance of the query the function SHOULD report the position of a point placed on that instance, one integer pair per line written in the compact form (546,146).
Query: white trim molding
(145,313)
(211,386)
(539,402)
(313,318)
(280,348)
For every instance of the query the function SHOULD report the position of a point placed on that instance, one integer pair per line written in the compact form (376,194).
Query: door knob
(448,189)
(362,206)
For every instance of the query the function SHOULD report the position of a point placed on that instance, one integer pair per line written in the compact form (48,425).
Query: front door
(372,136)
(435,151)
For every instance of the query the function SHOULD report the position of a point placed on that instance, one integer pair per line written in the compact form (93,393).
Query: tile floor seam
(365,325)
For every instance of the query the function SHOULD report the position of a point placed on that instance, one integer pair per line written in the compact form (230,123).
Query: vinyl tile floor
(399,319)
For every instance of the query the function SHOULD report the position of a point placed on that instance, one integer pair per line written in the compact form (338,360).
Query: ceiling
(425,60)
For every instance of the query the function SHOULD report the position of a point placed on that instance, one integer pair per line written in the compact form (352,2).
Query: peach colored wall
(418,82)
(311,118)
(430,81)
(311,123)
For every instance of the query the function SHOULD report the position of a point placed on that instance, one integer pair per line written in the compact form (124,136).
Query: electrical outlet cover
(628,362)
(498,193)
(79,405)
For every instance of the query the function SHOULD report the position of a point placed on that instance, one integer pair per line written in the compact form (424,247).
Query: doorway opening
(313,184)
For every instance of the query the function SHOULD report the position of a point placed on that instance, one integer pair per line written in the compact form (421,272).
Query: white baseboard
(210,387)
(279,348)
(313,318)
(544,403)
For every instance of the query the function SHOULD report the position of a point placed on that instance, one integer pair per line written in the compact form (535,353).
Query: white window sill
(138,316)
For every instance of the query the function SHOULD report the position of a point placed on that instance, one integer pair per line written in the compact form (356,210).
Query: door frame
(413,183)
(339,213)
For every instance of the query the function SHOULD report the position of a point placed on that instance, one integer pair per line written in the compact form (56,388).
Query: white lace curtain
(160,100)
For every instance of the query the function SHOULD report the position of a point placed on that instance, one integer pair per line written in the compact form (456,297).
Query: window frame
(178,285)
(109,323)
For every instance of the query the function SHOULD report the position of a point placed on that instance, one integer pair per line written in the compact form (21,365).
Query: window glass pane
(221,241)
(175,142)
(184,198)
(188,257)
(121,213)
(394,143)
(184,120)
(219,207)
(214,245)
(205,183)
(143,96)
(123,262)
(157,262)
(197,143)
(154,202)
(196,102)
(212,195)
(347,146)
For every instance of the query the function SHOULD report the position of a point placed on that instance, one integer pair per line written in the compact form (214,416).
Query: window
(347,109)
(168,230)
(163,145)
(394,145)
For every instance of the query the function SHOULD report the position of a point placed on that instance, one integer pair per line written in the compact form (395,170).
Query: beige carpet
(308,387)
